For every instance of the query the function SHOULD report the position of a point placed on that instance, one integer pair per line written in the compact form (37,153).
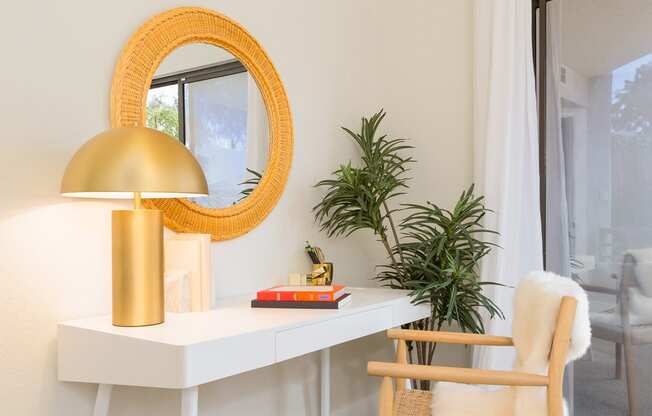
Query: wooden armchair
(619,328)
(401,371)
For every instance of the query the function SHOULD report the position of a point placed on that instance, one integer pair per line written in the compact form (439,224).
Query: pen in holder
(322,274)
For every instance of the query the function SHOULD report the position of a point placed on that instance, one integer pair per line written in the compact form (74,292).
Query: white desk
(195,348)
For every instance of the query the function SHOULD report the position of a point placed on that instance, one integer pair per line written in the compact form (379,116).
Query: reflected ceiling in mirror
(206,98)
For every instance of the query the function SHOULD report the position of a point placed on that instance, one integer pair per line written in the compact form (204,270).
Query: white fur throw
(536,304)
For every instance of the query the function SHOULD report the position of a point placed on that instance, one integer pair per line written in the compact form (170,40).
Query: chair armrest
(455,375)
(449,337)
(600,289)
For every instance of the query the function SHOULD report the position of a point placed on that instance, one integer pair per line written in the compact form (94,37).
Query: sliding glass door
(597,160)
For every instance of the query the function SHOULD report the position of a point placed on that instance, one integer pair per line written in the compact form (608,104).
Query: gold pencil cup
(138,298)
(322,274)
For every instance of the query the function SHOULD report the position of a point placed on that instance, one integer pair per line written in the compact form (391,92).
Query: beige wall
(338,59)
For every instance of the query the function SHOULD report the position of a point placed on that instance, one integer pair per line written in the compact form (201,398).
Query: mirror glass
(206,98)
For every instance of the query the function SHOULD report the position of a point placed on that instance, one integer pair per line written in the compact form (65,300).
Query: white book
(177,291)
(205,266)
(185,256)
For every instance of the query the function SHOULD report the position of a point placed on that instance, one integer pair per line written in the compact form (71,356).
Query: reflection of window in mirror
(208,89)
(217,111)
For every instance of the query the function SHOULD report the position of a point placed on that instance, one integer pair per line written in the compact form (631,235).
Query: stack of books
(302,297)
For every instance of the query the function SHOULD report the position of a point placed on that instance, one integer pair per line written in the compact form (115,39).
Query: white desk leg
(189,401)
(102,400)
(326,382)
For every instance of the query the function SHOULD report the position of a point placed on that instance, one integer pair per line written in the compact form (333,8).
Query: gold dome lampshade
(135,162)
(121,162)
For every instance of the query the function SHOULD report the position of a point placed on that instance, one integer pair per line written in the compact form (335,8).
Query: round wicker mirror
(137,65)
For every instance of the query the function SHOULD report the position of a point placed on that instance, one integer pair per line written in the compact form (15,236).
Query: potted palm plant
(433,252)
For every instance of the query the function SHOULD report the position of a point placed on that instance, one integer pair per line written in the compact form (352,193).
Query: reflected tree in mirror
(163,111)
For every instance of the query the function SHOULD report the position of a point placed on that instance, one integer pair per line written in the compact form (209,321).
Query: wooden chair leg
(401,358)
(630,374)
(555,399)
(630,366)
(386,405)
(558,353)
(618,374)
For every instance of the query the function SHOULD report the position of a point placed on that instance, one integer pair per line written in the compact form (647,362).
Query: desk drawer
(302,340)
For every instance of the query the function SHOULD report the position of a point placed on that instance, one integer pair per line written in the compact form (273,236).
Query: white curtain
(506,168)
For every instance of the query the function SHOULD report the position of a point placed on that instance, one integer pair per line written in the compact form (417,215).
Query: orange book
(301,293)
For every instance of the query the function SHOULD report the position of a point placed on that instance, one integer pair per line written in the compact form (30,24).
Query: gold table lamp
(135,162)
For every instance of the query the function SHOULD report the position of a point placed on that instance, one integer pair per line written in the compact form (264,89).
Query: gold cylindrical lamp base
(138,294)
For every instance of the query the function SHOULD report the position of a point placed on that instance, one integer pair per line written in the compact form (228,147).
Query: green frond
(355,195)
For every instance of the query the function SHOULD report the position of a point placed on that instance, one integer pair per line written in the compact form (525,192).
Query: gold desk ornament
(141,163)
(322,274)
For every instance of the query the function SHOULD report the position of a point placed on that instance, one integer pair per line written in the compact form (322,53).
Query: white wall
(576,88)
(338,59)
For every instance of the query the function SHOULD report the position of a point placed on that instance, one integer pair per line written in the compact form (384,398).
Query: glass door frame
(539,48)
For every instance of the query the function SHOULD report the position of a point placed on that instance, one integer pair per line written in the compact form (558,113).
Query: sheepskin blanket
(536,304)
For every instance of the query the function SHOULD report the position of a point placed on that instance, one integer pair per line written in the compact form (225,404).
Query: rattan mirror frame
(132,77)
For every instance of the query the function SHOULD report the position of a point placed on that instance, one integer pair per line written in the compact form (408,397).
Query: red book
(294,304)
(301,293)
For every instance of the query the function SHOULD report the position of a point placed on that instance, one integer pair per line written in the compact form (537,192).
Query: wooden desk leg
(102,400)
(189,401)
(325,382)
